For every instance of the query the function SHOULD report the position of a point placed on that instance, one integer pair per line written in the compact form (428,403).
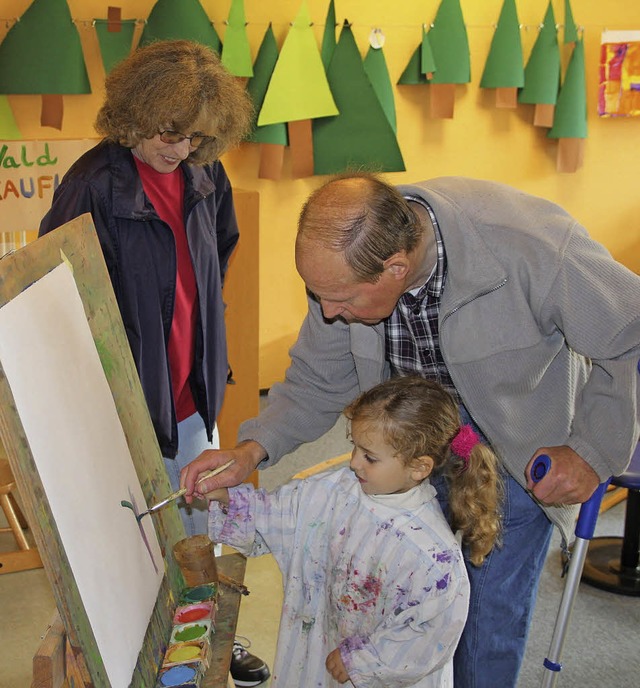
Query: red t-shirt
(166,193)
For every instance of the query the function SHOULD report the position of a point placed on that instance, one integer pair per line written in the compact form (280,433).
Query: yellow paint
(183,653)
(480,141)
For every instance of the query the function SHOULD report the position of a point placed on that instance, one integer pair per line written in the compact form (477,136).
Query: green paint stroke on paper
(504,67)
(114,45)
(542,73)
(298,89)
(236,54)
(361,134)
(41,54)
(570,116)
(173,19)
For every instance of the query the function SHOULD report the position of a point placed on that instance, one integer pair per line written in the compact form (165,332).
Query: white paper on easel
(79,447)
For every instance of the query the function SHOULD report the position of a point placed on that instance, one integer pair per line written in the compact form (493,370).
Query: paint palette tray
(208,592)
(181,676)
(198,630)
(191,613)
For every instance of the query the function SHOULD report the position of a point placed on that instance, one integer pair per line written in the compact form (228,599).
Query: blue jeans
(503,594)
(192,440)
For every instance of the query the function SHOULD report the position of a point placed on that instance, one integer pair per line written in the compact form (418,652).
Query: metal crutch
(585,528)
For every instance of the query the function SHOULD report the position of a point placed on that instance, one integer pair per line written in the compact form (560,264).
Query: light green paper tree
(504,68)
(8,128)
(174,19)
(236,54)
(42,55)
(542,73)
(298,91)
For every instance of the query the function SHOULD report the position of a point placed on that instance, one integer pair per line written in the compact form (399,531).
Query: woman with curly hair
(163,210)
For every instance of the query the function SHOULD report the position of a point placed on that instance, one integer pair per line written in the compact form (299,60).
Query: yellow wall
(480,141)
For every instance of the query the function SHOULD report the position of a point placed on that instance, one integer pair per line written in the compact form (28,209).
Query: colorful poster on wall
(30,171)
(619,88)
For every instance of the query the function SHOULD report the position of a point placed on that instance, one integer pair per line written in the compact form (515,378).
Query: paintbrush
(178,493)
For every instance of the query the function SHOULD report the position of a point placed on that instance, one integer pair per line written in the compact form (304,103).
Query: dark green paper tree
(542,73)
(570,120)
(42,55)
(360,135)
(504,69)
(174,19)
(271,137)
(329,36)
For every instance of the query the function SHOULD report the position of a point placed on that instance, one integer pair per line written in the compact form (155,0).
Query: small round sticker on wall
(376,39)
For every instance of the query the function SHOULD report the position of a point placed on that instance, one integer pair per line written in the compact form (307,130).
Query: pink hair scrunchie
(463,443)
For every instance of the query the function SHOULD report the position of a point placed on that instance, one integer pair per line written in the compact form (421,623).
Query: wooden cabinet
(241,292)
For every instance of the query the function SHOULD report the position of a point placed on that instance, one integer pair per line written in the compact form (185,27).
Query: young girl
(375,587)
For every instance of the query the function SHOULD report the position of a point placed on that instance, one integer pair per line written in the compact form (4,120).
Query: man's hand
(570,480)
(246,456)
(335,666)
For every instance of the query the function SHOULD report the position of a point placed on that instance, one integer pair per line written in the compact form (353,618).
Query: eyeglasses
(195,140)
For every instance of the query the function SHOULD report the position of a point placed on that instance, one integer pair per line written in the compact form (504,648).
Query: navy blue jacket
(139,250)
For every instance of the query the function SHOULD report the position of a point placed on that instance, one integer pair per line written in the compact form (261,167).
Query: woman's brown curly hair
(171,85)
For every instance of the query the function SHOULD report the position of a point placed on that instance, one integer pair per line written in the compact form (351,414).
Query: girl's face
(377,467)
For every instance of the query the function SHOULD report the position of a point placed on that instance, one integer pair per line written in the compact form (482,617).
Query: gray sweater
(539,328)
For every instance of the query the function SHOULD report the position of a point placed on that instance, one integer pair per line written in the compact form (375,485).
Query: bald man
(504,299)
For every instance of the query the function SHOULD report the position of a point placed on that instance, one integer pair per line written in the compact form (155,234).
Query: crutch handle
(540,467)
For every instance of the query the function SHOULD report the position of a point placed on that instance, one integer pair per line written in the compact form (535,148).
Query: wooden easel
(76,242)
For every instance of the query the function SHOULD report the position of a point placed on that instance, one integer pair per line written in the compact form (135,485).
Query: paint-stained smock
(385,584)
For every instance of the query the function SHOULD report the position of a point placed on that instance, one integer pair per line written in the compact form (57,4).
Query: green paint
(199,594)
(129,505)
(191,632)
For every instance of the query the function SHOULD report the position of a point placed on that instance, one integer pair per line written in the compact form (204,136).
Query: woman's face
(163,157)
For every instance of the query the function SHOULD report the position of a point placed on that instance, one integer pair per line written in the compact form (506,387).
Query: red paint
(191,613)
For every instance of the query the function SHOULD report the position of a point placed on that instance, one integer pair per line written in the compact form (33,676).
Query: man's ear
(421,468)
(397,265)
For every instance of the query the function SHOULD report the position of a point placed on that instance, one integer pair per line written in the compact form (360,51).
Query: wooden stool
(25,557)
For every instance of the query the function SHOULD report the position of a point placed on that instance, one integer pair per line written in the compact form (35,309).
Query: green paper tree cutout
(504,66)
(375,67)
(412,74)
(361,134)
(450,45)
(427,60)
(570,28)
(329,36)
(42,55)
(542,73)
(8,128)
(175,19)
(570,119)
(236,54)
(443,53)
(298,89)
(114,45)
(257,87)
